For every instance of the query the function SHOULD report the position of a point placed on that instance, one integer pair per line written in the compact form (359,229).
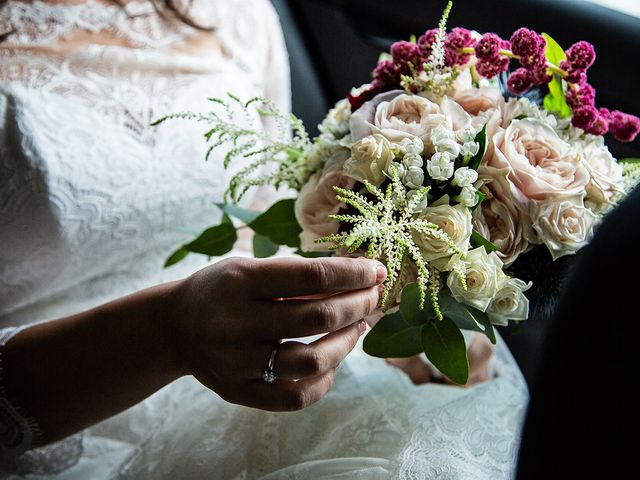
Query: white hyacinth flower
(440,134)
(398,167)
(440,166)
(467,197)
(413,177)
(449,146)
(412,160)
(466,135)
(465,177)
(469,149)
(412,146)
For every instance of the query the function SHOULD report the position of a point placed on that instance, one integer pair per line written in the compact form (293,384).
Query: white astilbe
(278,158)
(386,225)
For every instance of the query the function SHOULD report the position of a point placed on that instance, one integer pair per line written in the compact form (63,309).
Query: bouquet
(447,167)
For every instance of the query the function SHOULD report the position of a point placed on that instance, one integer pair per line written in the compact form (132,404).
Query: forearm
(73,372)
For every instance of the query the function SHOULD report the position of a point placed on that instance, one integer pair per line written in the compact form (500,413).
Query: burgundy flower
(488,47)
(407,57)
(456,39)
(426,41)
(519,81)
(600,126)
(490,69)
(574,75)
(581,55)
(623,126)
(584,117)
(356,101)
(530,47)
(386,74)
(584,95)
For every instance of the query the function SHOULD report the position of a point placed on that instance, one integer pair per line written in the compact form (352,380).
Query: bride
(91,201)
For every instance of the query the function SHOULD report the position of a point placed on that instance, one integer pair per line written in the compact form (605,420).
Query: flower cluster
(488,55)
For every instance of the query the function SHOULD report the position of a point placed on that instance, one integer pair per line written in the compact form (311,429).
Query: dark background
(334,45)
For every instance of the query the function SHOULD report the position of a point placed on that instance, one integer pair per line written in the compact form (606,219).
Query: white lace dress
(92,199)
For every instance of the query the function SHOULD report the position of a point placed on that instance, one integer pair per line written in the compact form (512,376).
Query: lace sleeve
(19,434)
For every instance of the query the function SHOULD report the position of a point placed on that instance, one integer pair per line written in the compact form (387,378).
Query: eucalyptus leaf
(410,306)
(215,241)
(279,224)
(445,347)
(465,317)
(263,247)
(242,214)
(176,256)
(392,337)
(481,139)
(478,240)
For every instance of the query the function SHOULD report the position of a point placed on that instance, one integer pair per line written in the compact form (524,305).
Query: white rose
(499,220)
(455,116)
(464,177)
(317,200)
(440,166)
(540,164)
(484,278)
(455,221)
(370,159)
(606,182)
(510,303)
(563,225)
(407,116)
(475,100)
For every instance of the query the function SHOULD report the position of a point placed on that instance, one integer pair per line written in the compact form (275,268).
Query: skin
(220,325)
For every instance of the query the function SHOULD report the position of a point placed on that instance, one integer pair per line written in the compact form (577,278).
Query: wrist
(171,324)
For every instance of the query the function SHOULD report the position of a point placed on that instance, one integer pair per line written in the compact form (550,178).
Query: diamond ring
(269,375)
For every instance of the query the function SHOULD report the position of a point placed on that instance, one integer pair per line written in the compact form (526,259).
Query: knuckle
(297,400)
(315,362)
(325,316)
(319,274)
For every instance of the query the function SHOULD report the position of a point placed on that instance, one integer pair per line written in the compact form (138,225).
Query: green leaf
(242,214)
(410,306)
(176,256)
(479,198)
(215,241)
(554,101)
(464,316)
(413,39)
(488,327)
(481,139)
(478,240)
(444,346)
(279,224)
(263,247)
(312,254)
(553,52)
(391,337)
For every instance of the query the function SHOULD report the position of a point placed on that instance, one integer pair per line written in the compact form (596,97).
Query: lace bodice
(92,201)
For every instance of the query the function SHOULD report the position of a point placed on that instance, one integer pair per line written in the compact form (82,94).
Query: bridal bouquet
(447,167)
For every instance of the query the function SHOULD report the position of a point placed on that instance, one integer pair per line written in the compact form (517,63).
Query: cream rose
(484,278)
(317,200)
(370,159)
(456,118)
(540,163)
(498,219)
(606,182)
(563,225)
(509,303)
(455,221)
(396,116)
(475,100)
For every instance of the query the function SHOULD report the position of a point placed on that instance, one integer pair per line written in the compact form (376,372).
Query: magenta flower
(488,47)
(583,117)
(426,41)
(455,40)
(584,95)
(581,55)
(519,81)
(623,126)
(405,53)
(540,76)
(386,74)
(530,47)
(600,126)
(492,68)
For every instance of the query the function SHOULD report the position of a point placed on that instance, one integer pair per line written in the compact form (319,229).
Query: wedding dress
(93,199)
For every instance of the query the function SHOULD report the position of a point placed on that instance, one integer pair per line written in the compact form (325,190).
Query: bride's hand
(232,315)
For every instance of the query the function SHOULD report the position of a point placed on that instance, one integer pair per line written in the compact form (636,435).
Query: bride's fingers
(286,395)
(298,360)
(301,318)
(295,277)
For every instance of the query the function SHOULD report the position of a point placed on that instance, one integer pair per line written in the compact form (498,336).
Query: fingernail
(362,326)
(381,273)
